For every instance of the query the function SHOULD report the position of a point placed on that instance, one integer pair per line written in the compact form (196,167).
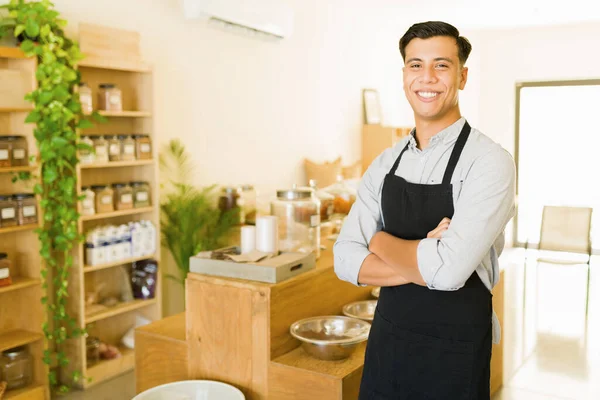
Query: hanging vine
(57,117)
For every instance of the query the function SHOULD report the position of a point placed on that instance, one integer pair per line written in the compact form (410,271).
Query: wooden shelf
(20,283)
(90,268)
(118,310)
(32,392)
(115,214)
(125,114)
(117,65)
(116,164)
(18,228)
(17,169)
(12,339)
(12,52)
(107,369)
(15,109)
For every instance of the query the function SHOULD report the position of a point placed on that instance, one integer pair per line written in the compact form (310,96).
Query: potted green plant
(190,218)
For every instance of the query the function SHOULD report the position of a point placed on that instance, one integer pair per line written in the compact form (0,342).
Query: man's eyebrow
(449,60)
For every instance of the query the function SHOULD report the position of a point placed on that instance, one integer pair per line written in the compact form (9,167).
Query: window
(557,152)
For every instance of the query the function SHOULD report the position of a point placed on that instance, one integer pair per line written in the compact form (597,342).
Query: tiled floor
(548,354)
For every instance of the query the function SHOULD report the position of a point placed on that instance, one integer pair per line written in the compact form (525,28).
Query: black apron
(427,344)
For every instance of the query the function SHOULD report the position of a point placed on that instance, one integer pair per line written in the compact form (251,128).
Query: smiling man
(428,226)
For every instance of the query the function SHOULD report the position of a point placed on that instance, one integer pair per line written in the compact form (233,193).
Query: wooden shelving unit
(21,311)
(110,324)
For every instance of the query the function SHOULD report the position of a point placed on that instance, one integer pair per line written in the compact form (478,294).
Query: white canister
(248,239)
(267,234)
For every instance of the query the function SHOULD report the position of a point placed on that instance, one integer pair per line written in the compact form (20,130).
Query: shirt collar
(446,136)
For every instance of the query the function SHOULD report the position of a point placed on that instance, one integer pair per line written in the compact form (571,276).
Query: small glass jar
(101,149)
(141,194)
(87,156)
(123,196)
(298,215)
(16,368)
(26,208)
(104,198)
(247,202)
(85,98)
(4,152)
(114,148)
(110,97)
(88,205)
(127,148)
(8,211)
(229,198)
(19,150)
(143,147)
(4,264)
(92,345)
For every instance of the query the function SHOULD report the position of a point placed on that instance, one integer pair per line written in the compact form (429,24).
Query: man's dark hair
(429,29)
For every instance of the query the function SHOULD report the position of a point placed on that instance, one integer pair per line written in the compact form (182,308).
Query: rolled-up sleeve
(364,220)
(485,205)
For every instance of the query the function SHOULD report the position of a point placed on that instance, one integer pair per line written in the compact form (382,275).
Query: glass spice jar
(8,211)
(85,98)
(248,204)
(123,196)
(141,194)
(88,203)
(143,147)
(127,148)
(110,97)
(4,152)
(87,156)
(16,368)
(104,198)
(92,345)
(229,198)
(114,148)
(4,262)
(19,150)
(26,208)
(101,149)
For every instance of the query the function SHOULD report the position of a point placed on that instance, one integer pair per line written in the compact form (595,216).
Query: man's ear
(464,73)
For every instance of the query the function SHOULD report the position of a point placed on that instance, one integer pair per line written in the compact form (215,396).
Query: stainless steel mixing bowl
(330,337)
(364,310)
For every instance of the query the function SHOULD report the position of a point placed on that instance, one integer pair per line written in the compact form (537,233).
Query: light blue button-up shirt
(484,202)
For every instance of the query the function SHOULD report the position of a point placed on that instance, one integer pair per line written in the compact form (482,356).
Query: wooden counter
(237,331)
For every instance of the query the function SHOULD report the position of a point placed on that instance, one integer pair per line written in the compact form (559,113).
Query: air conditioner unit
(264,17)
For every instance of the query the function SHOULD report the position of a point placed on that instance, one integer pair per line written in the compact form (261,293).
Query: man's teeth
(427,94)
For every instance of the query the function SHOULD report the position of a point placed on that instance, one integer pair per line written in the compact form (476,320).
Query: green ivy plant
(58,117)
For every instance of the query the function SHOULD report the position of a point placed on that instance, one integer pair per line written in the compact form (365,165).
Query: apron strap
(395,166)
(456,151)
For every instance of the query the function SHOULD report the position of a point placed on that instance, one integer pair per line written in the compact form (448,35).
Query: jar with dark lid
(4,262)
(109,97)
(16,368)
(104,198)
(127,148)
(114,148)
(85,98)
(92,345)
(123,196)
(4,152)
(141,194)
(298,214)
(8,211)
(26,208)
(228,199)
(18,151)
(143,147)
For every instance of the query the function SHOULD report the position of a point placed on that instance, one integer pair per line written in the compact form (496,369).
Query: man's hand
(441,228)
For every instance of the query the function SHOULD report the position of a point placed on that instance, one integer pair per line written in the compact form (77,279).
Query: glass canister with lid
(143,147)
(104,198)
(16,367)
(298,214)
(87,155)
(141,194)
(101,149)
(88,205)
(4,152)
(85,98)
(127,148)
(109,97)
(19,150)
(26,208)
(123,196)
(8,211)
(114,148)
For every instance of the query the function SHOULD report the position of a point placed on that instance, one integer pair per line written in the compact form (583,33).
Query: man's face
(433,76)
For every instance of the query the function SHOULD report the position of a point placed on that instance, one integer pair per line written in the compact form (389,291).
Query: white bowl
(192,390)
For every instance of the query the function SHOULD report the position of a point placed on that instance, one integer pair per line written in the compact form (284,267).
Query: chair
(565,238)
